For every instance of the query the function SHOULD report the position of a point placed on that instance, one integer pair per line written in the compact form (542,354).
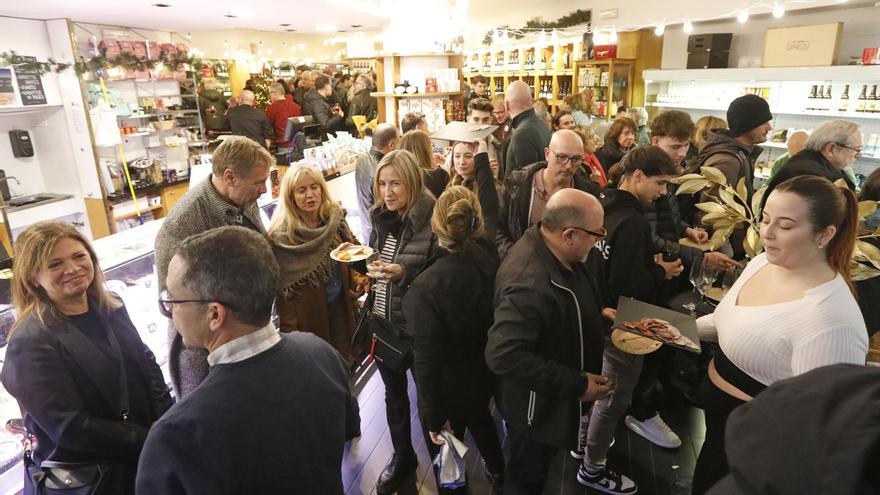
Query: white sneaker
(655,430)
(606,481)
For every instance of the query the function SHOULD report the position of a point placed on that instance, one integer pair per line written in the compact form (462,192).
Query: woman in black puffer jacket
(449,309)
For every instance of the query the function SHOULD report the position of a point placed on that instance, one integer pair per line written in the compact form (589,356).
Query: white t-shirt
(778,341)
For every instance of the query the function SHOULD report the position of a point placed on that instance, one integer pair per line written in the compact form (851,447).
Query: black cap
(746,113)
(815,433)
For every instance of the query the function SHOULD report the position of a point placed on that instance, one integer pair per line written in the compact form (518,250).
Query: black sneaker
(606,481)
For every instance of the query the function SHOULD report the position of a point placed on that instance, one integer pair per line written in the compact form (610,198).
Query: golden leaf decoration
(867,208)
(860,272)
(729,199)
(711,207)
(752,243)
(713,175)
(756,202)
(841,183)
(692,186)
(686,177)
(867,252)
(741,190)
(719,237)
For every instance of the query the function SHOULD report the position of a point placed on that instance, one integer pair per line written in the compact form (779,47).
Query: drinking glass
(695,277)
(730,277)
(707,279)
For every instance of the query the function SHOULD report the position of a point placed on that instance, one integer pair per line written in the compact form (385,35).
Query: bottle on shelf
(872,104)
(819,102)
(543,64)
(811,100)
(844,100)
(863,98)
(566,61)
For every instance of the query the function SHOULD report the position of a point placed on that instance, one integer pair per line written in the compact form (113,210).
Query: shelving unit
(398,67)
(608,83)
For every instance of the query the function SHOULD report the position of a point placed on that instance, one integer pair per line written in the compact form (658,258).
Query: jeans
(623,369)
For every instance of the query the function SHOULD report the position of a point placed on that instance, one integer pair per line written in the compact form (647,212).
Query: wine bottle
(844,100)
(811,105)
(863,97)
(871,105)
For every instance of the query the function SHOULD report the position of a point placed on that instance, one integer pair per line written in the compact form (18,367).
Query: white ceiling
(196,15)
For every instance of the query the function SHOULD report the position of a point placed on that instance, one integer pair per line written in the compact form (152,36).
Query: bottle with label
(863,98)
(567,60)
(844,100)
(811,105)
(543,64)
(871,104)
(826,100)
(820,94)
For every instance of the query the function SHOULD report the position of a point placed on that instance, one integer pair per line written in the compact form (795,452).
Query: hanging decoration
(126,61)
(262,82)
(576,18)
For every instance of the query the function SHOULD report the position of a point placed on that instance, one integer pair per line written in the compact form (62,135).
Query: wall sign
(7,91)
(30,85)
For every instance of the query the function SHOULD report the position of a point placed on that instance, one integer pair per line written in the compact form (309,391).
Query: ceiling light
(357,25)
(660,29)
(778,11)
(225,43)
(688,27)
(231,16)
(743,16)
(189,36)
(162,5)
(285,24)
(290,30)
(325,28)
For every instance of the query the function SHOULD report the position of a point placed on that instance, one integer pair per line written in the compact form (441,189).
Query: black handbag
(389,343)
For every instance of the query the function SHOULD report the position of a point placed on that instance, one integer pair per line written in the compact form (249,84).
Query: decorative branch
(575,18)
(127,61)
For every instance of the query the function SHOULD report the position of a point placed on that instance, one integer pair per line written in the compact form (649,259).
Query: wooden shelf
(18,110)
(134,214)
(417,95)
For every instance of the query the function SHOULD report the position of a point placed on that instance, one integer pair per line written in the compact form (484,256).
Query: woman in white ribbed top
(791,311)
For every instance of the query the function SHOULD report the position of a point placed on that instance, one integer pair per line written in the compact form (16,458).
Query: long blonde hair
(458,219)
(33,248)
(703,126)
(288,217)
(419,144)
(406,164)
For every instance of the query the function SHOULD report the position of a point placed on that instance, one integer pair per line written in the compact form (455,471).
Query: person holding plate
(317,293)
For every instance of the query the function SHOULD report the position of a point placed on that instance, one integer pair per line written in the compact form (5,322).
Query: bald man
(250,122)
(527,190)
(545,346)
(385,139)
(795,144)
(530,133)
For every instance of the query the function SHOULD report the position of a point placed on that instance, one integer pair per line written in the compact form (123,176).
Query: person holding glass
(403,238)
(88,387)
(318,294)
(449,309)
(792,310)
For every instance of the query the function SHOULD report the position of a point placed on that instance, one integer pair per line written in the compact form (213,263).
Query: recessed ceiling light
(356,25)
(231,16)
(341,31)
(162,5)
(284,25)
(290,30)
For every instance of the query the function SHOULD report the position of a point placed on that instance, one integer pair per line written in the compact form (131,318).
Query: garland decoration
(98,63)
(576,18)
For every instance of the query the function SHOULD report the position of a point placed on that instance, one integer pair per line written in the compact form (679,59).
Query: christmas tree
(262,82)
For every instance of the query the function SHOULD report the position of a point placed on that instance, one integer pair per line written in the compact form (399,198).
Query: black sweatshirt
(624,262)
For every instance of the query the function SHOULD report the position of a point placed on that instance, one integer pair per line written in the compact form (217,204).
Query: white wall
(282,45)
(860,30)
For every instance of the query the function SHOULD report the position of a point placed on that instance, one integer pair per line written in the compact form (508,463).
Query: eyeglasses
(166,304)
(857,151)
(498,112)
(563,159)
(603,233)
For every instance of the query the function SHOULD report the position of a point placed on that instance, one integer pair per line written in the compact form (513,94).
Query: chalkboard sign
(30,85)
(7,92)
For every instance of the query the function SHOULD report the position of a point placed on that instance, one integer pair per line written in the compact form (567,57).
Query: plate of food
(661,325)
(351,253)
(632,343)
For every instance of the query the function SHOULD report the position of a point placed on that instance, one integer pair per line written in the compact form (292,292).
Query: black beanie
(746,113)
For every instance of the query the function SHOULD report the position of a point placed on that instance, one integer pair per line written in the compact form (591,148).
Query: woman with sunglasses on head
(449,309)
(88,387)
(792,309)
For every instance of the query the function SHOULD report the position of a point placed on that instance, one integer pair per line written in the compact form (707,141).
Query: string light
(660,29)
(778,11)
(743,16)
(688,26)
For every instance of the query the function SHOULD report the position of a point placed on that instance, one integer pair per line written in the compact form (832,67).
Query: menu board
(30,85)
(7,91)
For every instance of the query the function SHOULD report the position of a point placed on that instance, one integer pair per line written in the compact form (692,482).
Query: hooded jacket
(623,262)
(542,343)
(515,201)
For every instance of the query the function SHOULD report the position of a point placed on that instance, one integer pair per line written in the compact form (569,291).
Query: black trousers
(397,410)
(712,461)
(527,464)
(485,435)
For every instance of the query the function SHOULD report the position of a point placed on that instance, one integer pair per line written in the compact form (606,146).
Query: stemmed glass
(694,276)
(730,277)
(707,279)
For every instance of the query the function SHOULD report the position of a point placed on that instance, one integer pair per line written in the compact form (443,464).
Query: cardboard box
(802,46)
(601,52)
(871,56)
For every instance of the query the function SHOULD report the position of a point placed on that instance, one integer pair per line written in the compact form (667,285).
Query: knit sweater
(779,341)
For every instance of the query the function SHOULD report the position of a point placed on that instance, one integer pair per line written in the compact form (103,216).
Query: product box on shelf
(802,46)
(871,56)
(601,52)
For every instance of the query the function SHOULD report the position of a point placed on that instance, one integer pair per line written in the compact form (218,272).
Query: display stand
(395,68)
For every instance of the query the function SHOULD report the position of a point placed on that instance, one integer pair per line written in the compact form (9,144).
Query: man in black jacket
(531,135)
(317,104)
(626,265)
(527,190)
(546,343)
(362,103)
(249,121)
(290,391)
(830,149)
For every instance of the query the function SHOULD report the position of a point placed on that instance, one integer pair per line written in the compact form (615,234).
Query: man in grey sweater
(228,197)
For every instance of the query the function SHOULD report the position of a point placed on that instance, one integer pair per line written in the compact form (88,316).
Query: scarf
(307,262)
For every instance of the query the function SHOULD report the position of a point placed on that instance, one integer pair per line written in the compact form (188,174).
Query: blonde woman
(419,144)
(88,387)
(704,125)
(403,238)
(317,293)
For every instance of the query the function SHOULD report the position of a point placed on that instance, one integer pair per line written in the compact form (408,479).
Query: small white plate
(357,253)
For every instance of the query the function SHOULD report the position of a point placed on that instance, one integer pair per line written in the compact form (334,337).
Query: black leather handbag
(389,342)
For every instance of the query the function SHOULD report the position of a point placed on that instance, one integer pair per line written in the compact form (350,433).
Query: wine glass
(694,276)
(730,277)
(707,279)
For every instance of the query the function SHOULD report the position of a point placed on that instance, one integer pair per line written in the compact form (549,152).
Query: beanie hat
(746,113)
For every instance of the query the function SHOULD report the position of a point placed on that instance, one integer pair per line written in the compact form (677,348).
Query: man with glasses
(228,197)
(275,411)
(829,152)
(545,346)
(625,264)
(526,191)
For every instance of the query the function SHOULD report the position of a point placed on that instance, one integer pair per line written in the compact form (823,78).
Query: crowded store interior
(440,247)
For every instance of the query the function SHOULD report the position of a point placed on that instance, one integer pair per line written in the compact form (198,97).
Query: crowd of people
(496,275)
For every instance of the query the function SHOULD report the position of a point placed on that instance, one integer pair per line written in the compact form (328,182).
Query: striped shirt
(383,292)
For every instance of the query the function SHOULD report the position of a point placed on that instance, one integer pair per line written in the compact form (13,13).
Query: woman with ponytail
(791,311)
(449,310)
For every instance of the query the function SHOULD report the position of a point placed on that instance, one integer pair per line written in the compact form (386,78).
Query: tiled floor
(655,470)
